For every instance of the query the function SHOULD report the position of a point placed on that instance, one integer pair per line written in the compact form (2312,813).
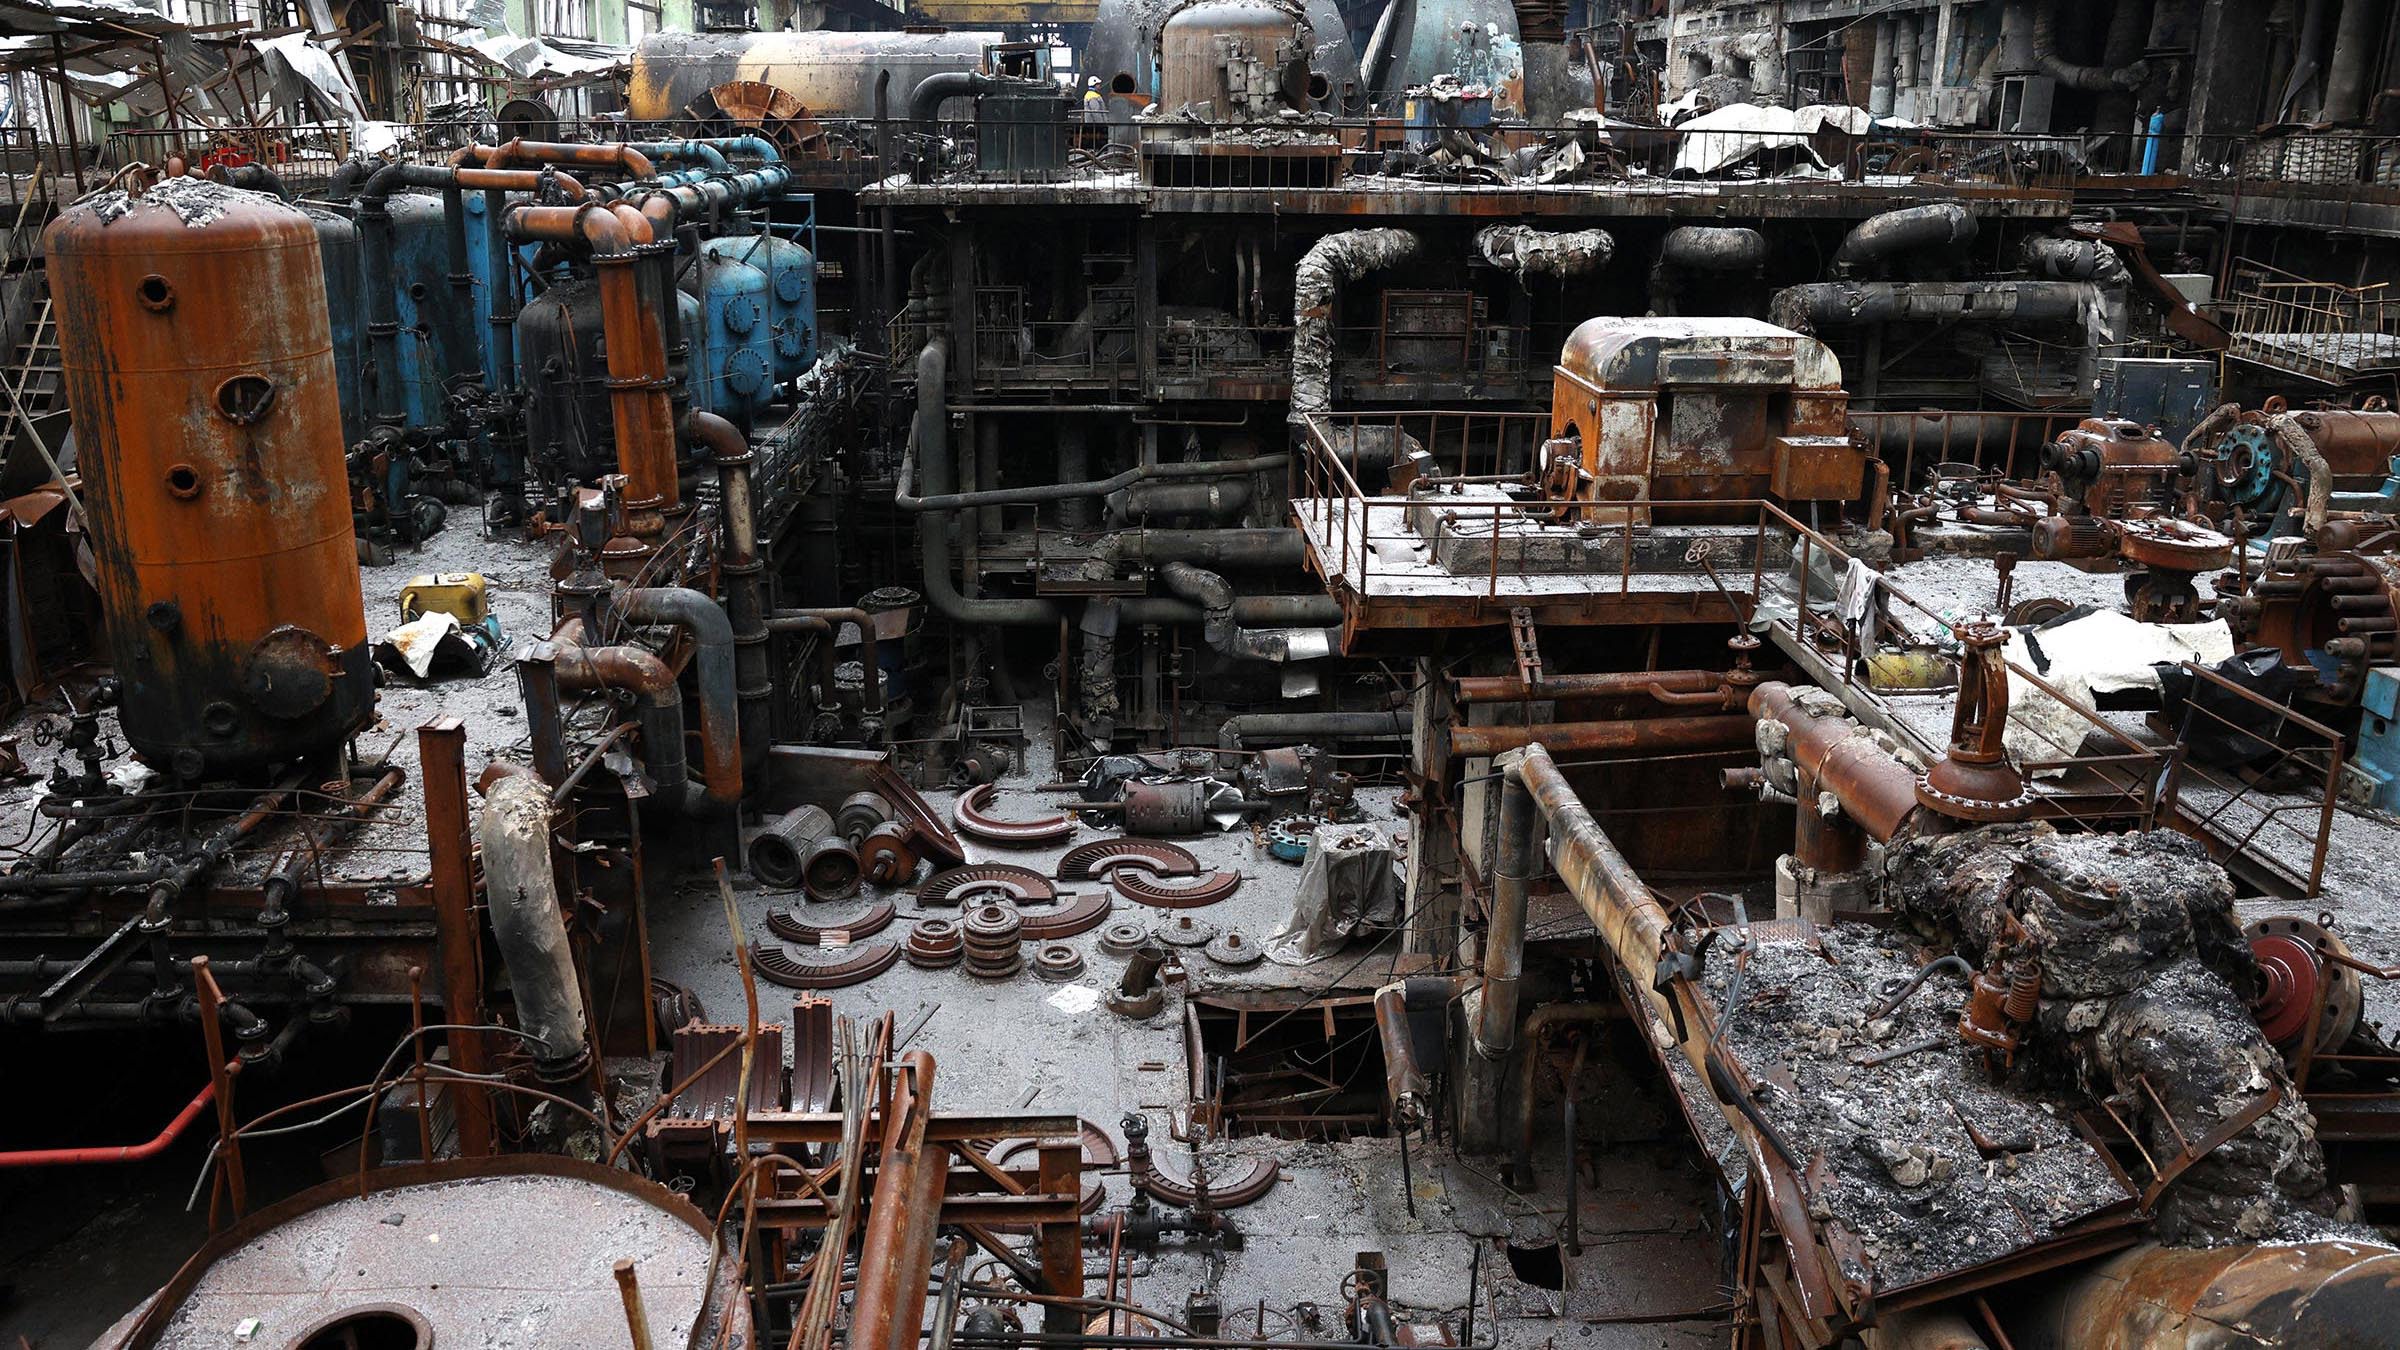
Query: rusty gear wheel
(791,928)
(868,960)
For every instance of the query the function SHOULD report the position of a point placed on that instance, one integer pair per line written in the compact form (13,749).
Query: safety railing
(2275,803)
(302,155)
(2320,330)
(1915,441)
(1074,351)
(2124,784)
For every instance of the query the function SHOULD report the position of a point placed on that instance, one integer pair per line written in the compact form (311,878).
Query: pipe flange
(1124,937)
(791,928)
(1143,888)
(1058,963)
(778,966)
(1086,861)
(986,881)
(1231,949)
(972,816)
(1187,931)
(934,944)
(1288,838)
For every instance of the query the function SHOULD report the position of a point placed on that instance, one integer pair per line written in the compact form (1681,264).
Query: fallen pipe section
(521,896)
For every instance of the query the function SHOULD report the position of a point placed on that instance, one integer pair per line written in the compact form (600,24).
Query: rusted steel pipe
(2186,1298)
(1612,894)
(118,1153)
(835,616)
(712,640)
(896,1258)
(1404,1084)
(640,401)
(1876,789)
(658,701)
(745,591)
(616,155)
(1611,684)
(1504,938)
(1727,732)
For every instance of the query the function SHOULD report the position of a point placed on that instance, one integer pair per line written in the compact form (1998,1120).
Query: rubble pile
(2145,987)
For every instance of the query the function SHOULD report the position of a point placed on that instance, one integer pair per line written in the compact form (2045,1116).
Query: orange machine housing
(199,365)
(1703,409)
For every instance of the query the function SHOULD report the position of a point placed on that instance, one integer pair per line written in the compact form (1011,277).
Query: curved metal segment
(987,881)
(1078,916)
(1143,888)
(973,817)
(791,928)
(1242,1190)
(1086,861)
(871,959)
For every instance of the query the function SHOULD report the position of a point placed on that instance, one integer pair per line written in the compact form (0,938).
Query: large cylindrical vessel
(833,74)
(199,364)
(1236,60)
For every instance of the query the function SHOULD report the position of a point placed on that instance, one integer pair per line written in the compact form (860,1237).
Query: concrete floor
(1647,1275)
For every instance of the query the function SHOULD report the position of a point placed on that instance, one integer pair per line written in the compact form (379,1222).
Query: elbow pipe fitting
(867,653)
(658,703)
(704,620)
(925,102)
(1879,239)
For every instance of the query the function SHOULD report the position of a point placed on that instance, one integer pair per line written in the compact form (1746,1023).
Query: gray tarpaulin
(1346,885)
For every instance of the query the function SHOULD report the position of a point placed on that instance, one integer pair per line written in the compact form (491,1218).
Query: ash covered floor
(1647,1275)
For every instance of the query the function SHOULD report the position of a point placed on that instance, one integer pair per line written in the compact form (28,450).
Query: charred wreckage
(1310,680)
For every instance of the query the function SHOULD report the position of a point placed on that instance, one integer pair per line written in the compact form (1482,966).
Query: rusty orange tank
(199,366)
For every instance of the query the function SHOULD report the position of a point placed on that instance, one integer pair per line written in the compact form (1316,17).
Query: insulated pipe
(1074,465)
(745,591)
(1842,757)
(1214,595)
(835,615)
(1331,263)
(1880,238)
(1702,248)
(895,1259)
(1833,303)
(638,383)
(1224,499)
(521,895)
(1656,734)
(1240,549)
(1504,939)
(1239,731)
(1619,904)
(703,619)
(1253,611)
(1526,252)
(2295,442)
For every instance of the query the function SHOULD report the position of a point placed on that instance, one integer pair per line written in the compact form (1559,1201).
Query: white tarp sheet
(2100,653)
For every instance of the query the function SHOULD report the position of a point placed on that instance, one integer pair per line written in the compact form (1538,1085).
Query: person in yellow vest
(1093,107)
